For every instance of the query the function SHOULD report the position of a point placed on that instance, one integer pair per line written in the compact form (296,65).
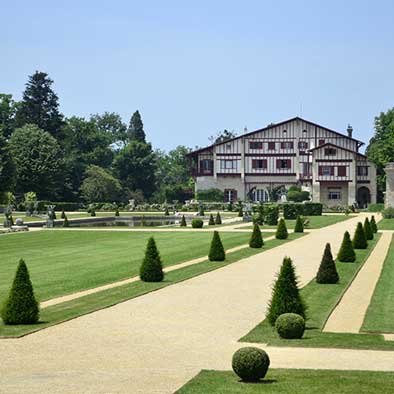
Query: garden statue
(131,205)
(50,215)
(8,216)
(247,211)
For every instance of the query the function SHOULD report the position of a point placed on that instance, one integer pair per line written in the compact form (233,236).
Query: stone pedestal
(389,199)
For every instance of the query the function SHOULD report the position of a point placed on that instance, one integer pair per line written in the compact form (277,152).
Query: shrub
(218,219)
(63,214)
(281,231)
(230,206)
(216,251)
(92,212)
(211,220)
(201,210)
(197,223)
(291,211)
(313,209)
(297,195)
(388,213)
(151,269)
(285,294)
(166,212)
(346,253)
(374,226)
(271,214)
(250,363)
(359,239)
(21,306)
(183,221)
(290,326)
(256,240)
(210,195)
(379,207)
(65,222)
(240,212)
(327,272)
(367,229)
(117,212)
(299,225)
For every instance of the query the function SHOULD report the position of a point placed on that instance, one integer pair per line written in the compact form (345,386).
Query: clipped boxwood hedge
(291,211)
(313,209)
(197,223)
(290,326)
(250,363)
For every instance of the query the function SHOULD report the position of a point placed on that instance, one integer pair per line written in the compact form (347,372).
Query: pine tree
(281,231)
(256,240)
(216,251)
(65,221)
(63,214)
(367,229)
(359,239)
(135,131)
(327,272)
(218,219)
(346,253)
(151,269)
(21,306)
(211,220)
(299,225)
(374,226)
(285,295)
(183,221)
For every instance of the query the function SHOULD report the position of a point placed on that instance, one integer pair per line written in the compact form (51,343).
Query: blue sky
(196,68)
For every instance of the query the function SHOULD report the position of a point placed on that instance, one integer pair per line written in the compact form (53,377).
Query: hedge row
(291,211)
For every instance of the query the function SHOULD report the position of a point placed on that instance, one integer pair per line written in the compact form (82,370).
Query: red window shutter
(288,163)
(264,163)
(321,142)
(291,145)
(341,171)
(254,164)
(271,145)
(282,145)
(278,162)
(320,170)
(331,170)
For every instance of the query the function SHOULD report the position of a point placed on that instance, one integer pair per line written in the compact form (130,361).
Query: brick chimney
(350,131)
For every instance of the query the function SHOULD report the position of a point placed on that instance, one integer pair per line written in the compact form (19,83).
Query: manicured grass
(380,313)
(62,262)
(321,299)
(386,224)
(314,221)
(293,381)
(90,303)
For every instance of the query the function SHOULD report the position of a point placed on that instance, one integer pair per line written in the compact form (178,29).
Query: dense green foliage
(327,272)
(359,238)
(313,209)
(374,226)
(218,219)
(210,195)
(21,306)
(211,220)
(388,213)
(367,229)
(197,223)
(281,231)
(151,269)
(256,240)
(135,131)
(250,363)
(299,225)
(268,214)
(292,211)
(216,251)
(295,194)
(285,295)
(346,252)
(290,326)
(7,167)
(378,207)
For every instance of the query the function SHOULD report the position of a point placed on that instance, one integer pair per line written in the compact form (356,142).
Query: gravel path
(156,342)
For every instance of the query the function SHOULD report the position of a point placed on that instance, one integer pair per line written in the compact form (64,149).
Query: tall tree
(38,161)
(112,125)
(135,131)
(7,167)
(8,109)
(40,105)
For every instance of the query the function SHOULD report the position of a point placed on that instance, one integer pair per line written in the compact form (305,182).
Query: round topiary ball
(250,363)
(290,326)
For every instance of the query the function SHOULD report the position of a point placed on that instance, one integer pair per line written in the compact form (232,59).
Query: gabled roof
(336,146)
(360,143)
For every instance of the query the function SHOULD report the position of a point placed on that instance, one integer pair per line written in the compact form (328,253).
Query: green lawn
(386,224)
(321,300)
(314,221)
(380,313)
(62,262)
(293,381)
(90,303)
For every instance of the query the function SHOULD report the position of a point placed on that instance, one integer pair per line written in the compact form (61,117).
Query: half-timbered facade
(295,152)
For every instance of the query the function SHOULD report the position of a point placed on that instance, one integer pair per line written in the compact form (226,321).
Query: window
(228,164)
(206,165)
(330,152)
(260,195)
(271,145)
(334,195)
(326,170)
(302,145)
(230,195)
(362,171)
(255,145)
(228,146)
(322,142)
(341,170)
(259,163)
(286,145)
(283,164)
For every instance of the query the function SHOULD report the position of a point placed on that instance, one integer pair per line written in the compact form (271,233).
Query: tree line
(98,159)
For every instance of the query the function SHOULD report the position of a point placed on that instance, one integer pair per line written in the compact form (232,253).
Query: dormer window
(330,152)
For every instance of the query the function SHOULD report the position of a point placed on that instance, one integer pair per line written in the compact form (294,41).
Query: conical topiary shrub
(211,220)
(92,212)
(63,214)
(367,229)
(327,272)
(299,225)
(21,306)
(201,210)
(359,239)
(216,252)
(256,240)
(285,294)
(374,226)
(151,269)
(346,253)
(166,212)
(218,219)
(281,230)
(183,221)
(65,221)
(117,212)
(240,212)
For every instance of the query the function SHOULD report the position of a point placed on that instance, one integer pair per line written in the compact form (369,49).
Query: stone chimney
(350,131)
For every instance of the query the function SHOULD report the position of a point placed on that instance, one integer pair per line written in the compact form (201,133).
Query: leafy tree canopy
(8,108)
